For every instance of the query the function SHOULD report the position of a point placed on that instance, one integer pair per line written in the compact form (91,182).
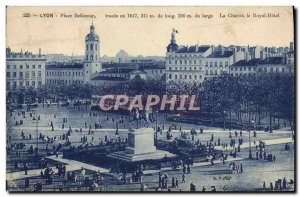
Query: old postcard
(150,99)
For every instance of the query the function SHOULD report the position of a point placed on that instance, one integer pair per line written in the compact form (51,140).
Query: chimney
(234,55)
(197,47)
(40,52)
(284,58)
(291,46)
(212,48)
(261,55)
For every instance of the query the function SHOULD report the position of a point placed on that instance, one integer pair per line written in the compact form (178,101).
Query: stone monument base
(140,147)
(125,156)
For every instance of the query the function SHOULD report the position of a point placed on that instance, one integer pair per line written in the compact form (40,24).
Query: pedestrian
(173,181)
(188,169)
(176,182)
(184,169)
(274,158)
(183,178)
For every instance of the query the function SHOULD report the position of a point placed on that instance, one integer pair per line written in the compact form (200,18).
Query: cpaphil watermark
(150,102)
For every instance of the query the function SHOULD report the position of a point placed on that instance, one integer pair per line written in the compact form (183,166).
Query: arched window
(87,58)
(91,47)
(95,47)
(91,58)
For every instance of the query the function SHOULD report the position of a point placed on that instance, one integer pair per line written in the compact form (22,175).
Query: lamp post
(224,123)
(250,152)
(36,129)
(156,137)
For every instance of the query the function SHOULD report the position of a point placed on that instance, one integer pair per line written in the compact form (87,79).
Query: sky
(144,36)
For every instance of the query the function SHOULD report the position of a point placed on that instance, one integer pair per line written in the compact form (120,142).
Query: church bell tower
(92,61)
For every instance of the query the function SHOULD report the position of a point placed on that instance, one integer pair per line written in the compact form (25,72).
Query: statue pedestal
(140,141)
(140,147)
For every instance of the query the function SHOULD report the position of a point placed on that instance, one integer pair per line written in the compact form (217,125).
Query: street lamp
(36,129)
(156,137)
(224,113)
(250,152)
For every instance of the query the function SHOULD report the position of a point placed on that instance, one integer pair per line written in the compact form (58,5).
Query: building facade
(24,70)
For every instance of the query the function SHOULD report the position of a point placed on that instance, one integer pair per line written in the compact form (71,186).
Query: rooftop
(192,49)
(220,54)
(59,65)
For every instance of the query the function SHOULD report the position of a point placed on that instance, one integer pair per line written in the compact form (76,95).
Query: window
(21,74)
(216,64)
(226,64)
(21,66)
(221,64)
(27,66)
(7,74)
(27,74)
(40,73)
(21,84)
(8,66)
(14,74)
(195,77)
(39,66)
(190,76)
(180,76)
(39,83)
(175,76)
(33,73)
(15,66)
(33,66)
(206,72)
(216,72)
(169,61)
(170,68)
(170,76)
(95,47)
(8,85)
(91,47)
(33,83)
(282,70)
(15,85)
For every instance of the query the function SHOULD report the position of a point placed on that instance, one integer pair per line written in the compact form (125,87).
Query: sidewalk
(200,164)
(71,165)
(267,142)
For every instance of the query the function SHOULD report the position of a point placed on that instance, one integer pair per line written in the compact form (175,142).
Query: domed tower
(172,47)
(92,61)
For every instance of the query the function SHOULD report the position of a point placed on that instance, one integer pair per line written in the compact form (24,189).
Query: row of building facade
(190,64)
